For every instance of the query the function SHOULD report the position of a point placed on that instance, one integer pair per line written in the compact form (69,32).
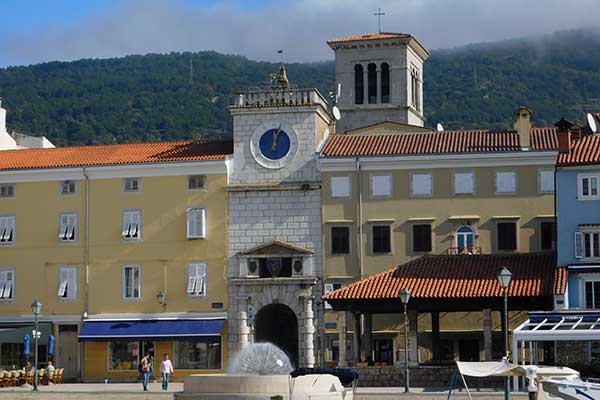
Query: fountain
(262,372)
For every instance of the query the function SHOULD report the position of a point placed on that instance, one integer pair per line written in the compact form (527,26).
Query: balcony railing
(463,251)
(279,97)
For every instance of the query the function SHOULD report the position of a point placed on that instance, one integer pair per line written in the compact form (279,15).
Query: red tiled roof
(369,36)
(461,277)
(444,142)
(584,151)
(114,154)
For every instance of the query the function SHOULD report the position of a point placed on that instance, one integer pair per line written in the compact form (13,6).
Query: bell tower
(381,78)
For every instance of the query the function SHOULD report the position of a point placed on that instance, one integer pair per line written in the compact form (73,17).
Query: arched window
(372,77)
(385,83)
(465,237)
(359,84)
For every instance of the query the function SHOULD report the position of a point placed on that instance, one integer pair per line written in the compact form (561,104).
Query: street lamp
(160,297)
(36,308)
(504,277)
(404,298)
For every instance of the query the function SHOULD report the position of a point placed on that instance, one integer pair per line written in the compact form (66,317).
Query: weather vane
(379,14)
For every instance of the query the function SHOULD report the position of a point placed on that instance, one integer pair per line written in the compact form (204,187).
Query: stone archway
(277,324)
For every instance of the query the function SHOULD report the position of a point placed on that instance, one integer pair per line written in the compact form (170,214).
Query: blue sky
(34,31)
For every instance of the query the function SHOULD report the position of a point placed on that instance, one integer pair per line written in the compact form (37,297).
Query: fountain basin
(262,387)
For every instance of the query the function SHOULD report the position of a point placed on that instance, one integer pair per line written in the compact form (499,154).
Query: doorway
(66,354)
(148,347)
(277,324)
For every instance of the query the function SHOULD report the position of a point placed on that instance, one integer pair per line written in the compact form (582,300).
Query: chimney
(523,126)
(563,133)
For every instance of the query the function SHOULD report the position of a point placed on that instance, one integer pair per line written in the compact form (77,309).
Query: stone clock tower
(275,266)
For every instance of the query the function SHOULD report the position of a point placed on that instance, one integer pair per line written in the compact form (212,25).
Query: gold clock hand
(275,136)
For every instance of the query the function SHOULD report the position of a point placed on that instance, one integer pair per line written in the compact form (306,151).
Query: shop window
(548,235)
(132,224)
(124,356)
(196,223)
(340,240)
(421,238)
(68,227)
(202,354)
(507,235)
(381,239)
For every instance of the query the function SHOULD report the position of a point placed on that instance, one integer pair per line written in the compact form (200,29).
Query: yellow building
(125,246)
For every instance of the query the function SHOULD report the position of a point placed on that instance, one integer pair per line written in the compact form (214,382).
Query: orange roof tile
(370,36)
(444,142)
(461,277)
(114,154)
(584,151)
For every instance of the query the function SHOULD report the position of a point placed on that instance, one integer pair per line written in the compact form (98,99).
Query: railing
(463,251)
(284,97)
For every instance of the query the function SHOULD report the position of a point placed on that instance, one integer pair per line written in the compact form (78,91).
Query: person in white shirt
(166,369)
(50,366)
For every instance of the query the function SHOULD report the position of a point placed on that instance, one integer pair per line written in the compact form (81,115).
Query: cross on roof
(379,14)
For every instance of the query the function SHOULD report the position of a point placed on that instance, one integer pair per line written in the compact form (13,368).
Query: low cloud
(300,27)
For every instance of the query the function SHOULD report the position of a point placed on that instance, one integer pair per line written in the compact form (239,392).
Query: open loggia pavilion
(457,299)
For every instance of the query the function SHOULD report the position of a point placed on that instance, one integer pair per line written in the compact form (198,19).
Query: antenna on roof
(439,127)
(591,120)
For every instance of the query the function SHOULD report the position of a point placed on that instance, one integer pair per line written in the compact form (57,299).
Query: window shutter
(546,181)
(201,279)
(421,184)
(72,283)
(136,282)
(192,270)
(463,183)
(381,185)
(578,244)
(340,186)
(62,286)
(136,223)
(3,284)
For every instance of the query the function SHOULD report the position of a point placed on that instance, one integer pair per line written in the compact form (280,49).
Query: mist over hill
(157,97)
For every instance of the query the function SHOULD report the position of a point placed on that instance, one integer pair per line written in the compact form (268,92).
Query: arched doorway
(277,324)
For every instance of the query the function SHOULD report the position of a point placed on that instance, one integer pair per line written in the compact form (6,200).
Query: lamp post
(405,297)
(160,298)
(504,277)
(36,308)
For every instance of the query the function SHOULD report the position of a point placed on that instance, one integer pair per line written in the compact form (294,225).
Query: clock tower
(275,246)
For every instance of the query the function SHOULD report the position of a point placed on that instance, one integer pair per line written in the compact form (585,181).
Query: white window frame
(516,185)
(341,180)
(579,243)
(372,183)
(6,186)
(197,280)
(129,225)
(583,279)
(589,196)
(541,188)
(192,213)
(127,182)
(199,189)
(10,223)
(413,178)
(139,282)
(71,229)
(67,285)
(11,285)
(68,182)
(455,181)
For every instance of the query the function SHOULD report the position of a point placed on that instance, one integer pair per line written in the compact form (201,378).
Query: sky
(34,31)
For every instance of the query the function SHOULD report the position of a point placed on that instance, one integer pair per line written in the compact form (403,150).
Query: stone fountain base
(263,387)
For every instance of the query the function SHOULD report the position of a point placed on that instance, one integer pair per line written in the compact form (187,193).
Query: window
(68,227)
(506,182)
(124,356)
(588,187)
(545,181)
(197,182)
(68,187)
(131,282)
(132,224)
(7,285)
(422,238)
(67,283)
(132,184)
(12,356)
(381,239)
(592,294)
(197,280)
(464,183)
(548,235)
(415,88)
(340,186)
(7,229)
(385,83)
(359,84)
(340,240)
(372,79)
(205,353)
(507,235)
(587,244)
(330,287)
(7,190)
(465,237)
(196,223)
(421,185)
(381,185)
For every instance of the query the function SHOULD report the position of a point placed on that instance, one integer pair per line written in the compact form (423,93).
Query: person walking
(145,369)
(166,369)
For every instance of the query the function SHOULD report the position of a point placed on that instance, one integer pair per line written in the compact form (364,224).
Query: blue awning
(151,330)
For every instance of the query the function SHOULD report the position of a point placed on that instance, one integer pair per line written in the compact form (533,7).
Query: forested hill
(153,97)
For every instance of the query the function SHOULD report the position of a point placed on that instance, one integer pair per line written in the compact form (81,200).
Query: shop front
(12,345)
(113,349)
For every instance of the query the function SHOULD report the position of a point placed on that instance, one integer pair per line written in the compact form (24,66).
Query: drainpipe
(87,260)
(361,322)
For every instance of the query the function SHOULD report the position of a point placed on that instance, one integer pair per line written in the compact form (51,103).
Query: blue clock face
(274,144)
